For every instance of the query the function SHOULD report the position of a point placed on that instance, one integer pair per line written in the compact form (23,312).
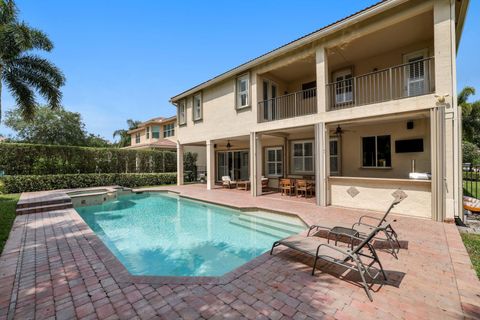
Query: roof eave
(316,35)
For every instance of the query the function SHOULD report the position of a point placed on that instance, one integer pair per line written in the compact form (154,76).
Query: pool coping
(121,274)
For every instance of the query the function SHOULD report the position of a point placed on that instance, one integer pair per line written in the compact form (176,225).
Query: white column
(256,164)
(210,164)
(445,84)
(179,163)
(322,78)
(321,164)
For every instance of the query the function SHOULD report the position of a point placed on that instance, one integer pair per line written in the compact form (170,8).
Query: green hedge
(26,183)
(33,159)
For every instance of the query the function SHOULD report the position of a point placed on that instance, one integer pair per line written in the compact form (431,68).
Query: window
(137,137)
(182,115)
(147,132)
(243,91)
(197,106)
(156,132)
(302,156)
(376,152)
(273,162)
(169,130)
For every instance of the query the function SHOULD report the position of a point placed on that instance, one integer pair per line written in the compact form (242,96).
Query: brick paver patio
(54,267)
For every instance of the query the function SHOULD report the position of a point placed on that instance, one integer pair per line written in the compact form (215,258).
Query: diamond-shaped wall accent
(352,191)
(399,194)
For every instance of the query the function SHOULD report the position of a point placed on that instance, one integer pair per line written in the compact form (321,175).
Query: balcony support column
(210,164)
(445,84)
(180,151)
(321,164)
(322,79)
(256,164)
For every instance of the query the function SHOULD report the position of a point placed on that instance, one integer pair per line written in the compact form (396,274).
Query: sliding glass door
(233,164)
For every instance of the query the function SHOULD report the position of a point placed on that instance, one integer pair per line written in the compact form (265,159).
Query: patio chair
(286,186)
(352,259)
(228,183)
(365,228)
(264,183)
(305,187)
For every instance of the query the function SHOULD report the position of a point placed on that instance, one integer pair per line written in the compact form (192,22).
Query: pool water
(163,235)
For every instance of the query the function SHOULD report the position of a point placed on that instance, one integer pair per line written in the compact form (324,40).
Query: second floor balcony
(403,81)
(291,105)
(411,79)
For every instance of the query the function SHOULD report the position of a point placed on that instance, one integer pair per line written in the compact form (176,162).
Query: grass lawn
(8,203)
(472,243)
(471,189)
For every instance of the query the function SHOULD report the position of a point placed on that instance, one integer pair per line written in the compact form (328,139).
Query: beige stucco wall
(351,145)
(376,194)
(201,154)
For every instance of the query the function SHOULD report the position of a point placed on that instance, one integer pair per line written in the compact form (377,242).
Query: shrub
(471,153)
(33,159)
(26,183)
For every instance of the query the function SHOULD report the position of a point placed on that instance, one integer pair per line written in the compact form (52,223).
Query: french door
(233,164)
(335,160)
(416,80)
(343,86)
(270,111)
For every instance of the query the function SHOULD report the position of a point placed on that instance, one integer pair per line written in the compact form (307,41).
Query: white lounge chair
(228,183)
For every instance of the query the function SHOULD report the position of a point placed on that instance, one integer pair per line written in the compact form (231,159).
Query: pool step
(36,207)
(260,228)
(273,221)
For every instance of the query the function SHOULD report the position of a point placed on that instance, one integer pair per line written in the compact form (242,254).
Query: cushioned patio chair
(366,224)
(349,258)
(264,183)
(228,183)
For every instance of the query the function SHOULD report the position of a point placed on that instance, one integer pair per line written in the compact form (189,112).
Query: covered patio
(54,264)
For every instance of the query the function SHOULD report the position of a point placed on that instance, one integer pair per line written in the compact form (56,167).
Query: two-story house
(364,107)
(161,133)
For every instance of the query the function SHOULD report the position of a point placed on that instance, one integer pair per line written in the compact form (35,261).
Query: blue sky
(125,59)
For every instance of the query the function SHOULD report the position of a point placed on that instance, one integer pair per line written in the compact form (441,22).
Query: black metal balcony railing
(403,81)
(292,105)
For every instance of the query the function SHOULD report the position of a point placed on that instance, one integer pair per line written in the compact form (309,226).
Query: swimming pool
(158,234)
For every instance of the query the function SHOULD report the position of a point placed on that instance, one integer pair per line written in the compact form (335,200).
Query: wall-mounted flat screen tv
(410,145)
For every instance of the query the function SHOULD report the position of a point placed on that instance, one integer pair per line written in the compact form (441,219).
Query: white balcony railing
(292,105)
(403,81)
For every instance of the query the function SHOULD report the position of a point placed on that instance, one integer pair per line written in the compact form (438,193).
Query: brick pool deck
(54,267)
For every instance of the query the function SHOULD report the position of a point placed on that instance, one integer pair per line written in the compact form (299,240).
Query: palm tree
(123,134)
(24,73)
(470,115)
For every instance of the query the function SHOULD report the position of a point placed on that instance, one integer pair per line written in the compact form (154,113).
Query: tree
(471,153)
(22,72)
(96,141)
(470,115)
(55,127)
(125,139)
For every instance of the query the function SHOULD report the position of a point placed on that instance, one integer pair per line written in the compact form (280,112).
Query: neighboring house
(356,106)
(156,133)
(160,133)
